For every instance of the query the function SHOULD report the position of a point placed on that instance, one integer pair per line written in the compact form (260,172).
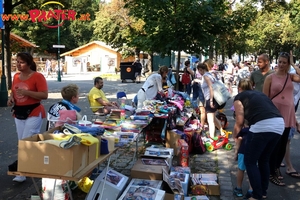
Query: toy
(218,142)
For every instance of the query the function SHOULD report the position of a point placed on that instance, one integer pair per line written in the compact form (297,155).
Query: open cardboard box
(151,172)
(172,137)
(205,184)
(45,158)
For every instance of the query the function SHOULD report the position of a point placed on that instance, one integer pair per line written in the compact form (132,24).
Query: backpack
(198,145)
(186,78)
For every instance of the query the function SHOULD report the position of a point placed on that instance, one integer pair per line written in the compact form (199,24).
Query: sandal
(278,174)
(276,181)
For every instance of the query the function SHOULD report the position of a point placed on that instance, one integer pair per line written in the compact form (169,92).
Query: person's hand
(20,92)
(211,103)
(10,102)
(291,58)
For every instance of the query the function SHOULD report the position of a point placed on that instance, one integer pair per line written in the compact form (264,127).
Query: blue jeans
(189,89)
(197,93)
(259,147)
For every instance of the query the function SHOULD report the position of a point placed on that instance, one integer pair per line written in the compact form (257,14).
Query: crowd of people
(265,109)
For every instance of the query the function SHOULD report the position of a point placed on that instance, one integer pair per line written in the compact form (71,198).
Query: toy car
(219,142)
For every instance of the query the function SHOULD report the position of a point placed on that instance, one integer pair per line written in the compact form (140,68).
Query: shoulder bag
(221,93)
(282,87)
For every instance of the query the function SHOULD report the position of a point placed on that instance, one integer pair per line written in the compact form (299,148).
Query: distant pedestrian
(138,69)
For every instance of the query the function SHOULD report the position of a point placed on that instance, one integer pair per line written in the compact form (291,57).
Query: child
(241,140)
(185,78)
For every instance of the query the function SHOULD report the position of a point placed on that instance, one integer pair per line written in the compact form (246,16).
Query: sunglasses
(284,54)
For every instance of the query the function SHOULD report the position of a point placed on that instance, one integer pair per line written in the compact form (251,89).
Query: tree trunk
(8,56)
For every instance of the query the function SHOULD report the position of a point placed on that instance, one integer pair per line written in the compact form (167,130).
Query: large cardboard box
(172,138)
(205,184)
(45,158)
(184,179)
(114,185)
(143,171)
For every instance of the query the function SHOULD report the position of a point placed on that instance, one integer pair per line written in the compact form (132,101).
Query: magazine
(113,178)
(174,183)
(150,161)
(142,193)
(144,182)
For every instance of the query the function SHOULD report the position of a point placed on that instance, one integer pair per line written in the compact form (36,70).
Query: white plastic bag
(84,121)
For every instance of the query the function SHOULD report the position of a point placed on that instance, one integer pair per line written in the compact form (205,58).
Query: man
(97,98)
(138,69)
(258,77)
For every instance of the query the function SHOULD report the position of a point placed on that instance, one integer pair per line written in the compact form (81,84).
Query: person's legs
(258,147)
(263,161)
(282,148)
(218,125)
(20,124)
(211,124)
(202,114)
(32,126)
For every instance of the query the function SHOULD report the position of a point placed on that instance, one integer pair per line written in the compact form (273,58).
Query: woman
(210,103)
(279,88)
(266,126)
(29,88)
(152,86)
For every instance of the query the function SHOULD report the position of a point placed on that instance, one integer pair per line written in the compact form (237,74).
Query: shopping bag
(221,93)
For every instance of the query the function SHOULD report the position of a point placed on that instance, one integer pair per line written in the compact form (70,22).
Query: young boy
(241,140)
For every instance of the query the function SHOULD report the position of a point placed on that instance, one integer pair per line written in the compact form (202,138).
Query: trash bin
(127,71)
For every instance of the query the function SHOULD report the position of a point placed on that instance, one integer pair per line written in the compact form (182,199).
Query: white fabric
(205,87)
(141,96)
(28,127)
(296,92)
(152,86)
(275,125)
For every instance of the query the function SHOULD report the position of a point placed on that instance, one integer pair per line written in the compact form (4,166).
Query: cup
(104,147)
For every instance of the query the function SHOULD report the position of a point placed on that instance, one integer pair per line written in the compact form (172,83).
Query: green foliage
(72,33)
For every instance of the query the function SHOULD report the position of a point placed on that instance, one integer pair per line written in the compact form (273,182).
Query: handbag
(282,87)
(221,94)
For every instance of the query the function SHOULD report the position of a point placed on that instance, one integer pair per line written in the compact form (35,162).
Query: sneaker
(19,179)
(238,192)
(248,195)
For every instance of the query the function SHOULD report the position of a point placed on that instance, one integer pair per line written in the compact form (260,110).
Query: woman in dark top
(266,126)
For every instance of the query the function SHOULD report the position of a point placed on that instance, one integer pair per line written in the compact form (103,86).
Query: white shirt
(152,85)
(296,92)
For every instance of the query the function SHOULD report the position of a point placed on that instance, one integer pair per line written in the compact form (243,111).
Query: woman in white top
(210,103)
(152,86)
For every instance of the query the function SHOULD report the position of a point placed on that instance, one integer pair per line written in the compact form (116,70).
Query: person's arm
(267,85)
(103,102)
(239,117)
(297,69)
(190,71)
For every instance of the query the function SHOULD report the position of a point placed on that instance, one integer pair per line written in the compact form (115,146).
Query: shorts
(241,163)
(209,109)
(292,133)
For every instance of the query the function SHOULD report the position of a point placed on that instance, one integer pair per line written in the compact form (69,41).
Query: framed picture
(149,161)
(113,178)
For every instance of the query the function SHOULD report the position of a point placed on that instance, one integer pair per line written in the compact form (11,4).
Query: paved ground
(219,161)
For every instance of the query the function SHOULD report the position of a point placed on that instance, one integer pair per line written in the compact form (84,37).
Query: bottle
(123,114)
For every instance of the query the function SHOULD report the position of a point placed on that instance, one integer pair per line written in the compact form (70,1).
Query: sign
(1,12)
(58,46)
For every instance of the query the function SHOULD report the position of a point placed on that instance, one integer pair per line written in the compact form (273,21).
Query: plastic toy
(218,142)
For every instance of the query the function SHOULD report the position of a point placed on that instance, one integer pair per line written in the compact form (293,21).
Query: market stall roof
(77,50)
(21,41)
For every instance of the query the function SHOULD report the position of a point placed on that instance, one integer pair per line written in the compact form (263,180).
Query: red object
(186,78)
(184,153)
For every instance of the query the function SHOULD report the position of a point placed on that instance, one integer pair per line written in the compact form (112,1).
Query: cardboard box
(205,184)
(184,179)
(160,152)
(45,158)
(114,185)
(172,138)
(152,172)
(169,193)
